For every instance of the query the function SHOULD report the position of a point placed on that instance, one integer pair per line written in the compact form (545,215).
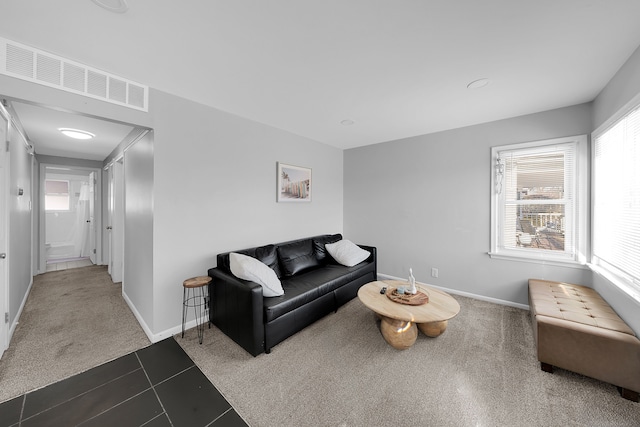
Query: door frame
(4,235)
(97,185)
(115,219)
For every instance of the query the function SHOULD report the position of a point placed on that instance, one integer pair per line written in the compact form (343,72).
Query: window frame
(626,283)
(578,218)
(68,193)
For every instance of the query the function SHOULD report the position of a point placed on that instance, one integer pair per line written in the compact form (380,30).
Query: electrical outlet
(434,272)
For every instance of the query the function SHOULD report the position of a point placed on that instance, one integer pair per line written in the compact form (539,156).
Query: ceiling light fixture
(117,6)
(477,84)
(76,133)
(347,122)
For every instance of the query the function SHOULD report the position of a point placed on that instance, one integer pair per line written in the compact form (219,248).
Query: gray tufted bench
(575,329)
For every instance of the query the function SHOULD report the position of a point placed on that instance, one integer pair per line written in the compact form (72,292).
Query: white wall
(215,191)
(425,202)
(622,88)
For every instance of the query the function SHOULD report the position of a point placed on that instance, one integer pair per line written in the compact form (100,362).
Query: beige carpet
(73,320)
(340,372)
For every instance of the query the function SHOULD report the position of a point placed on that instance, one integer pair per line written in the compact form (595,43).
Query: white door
(109,222)
(117,223)
(92,217)
(4,213)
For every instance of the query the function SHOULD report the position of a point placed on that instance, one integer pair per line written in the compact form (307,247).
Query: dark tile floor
(156,386)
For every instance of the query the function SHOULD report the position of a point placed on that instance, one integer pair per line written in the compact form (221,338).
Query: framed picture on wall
(293,183)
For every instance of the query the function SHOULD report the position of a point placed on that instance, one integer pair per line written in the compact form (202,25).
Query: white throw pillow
(248,268)
(347,253)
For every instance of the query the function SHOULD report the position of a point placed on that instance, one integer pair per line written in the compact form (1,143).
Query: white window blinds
(538,200)
(616,193)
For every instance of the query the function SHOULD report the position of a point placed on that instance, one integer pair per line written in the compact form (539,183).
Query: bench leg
(546,367)
(629,394)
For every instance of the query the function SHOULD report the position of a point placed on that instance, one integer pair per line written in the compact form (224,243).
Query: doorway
(68,216)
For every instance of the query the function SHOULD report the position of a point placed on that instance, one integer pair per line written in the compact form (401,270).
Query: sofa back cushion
(297,257)
(321,252)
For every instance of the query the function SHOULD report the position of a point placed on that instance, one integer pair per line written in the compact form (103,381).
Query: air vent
(27,63)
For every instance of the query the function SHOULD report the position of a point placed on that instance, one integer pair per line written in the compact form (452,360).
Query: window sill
(618,282)
(545,261)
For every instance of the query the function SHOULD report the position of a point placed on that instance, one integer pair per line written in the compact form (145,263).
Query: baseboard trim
(462,293)
(161,335)
(16,319)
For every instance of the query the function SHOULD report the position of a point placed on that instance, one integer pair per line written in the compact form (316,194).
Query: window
(616,201)
(538,206)
(56,195)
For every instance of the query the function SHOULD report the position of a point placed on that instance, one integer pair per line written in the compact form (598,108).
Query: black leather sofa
(314,285)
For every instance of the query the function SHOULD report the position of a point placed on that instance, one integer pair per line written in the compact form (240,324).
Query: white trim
(544,261)
(20,309)
(139,318)
(619,283)
(462,293)
(42,262)
(161,335)
(580,236)
(5,336)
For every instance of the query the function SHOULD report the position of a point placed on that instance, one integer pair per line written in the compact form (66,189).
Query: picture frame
(293,183)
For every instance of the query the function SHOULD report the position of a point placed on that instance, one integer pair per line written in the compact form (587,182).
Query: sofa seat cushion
(574,303)
(305,287)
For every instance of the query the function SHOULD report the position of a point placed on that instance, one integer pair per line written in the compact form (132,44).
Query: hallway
(67,264)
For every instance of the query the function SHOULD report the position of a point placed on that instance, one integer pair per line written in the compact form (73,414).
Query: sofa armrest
(237,309)
(373,258)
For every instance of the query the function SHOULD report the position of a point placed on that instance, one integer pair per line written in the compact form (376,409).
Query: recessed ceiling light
(477,84)
(76,133)
(347,122)
(117,6)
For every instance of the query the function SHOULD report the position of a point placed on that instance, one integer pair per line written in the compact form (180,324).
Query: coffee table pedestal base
(397,333)
(401,334)
(433,329)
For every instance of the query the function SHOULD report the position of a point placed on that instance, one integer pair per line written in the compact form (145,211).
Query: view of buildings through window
(535,200)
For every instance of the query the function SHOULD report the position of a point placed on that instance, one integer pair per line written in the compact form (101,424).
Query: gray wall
(20,242)
(425,202)
(138,284)
(215,191)
(622,88)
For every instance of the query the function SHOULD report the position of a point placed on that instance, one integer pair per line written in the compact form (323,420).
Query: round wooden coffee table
(398,321)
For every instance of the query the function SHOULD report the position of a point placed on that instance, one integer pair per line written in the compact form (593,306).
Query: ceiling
(41,125)
(394,68)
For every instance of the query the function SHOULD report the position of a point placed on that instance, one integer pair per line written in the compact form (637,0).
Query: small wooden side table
(195,294)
